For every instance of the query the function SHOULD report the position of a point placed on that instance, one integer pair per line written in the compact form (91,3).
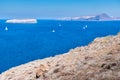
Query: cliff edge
(100,60)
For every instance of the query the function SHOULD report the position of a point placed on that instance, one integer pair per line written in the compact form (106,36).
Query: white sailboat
(6,28)
(53,30)
(85,27)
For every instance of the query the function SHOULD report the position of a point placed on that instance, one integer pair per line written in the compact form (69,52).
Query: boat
(86,26)
(6,28)
(53,30)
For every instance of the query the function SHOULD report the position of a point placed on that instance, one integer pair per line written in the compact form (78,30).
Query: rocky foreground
(100,60)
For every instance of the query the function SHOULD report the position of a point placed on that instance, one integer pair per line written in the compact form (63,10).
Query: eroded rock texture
(100,60)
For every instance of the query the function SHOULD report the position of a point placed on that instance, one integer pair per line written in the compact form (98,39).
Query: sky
(46,9)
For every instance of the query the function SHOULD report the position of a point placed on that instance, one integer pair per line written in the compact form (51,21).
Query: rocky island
(99,17)
(21,21)
(100,60)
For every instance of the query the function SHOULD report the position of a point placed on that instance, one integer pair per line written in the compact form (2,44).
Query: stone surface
(100,60)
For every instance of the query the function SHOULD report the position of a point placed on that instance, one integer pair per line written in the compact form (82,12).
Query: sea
(22,43)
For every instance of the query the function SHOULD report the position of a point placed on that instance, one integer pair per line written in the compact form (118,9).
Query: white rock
(21,21)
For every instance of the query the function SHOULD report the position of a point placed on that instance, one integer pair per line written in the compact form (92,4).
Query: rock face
(102,16)
(21,21)
(100,60)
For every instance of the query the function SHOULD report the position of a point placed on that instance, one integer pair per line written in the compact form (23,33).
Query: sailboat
(86,26)
(6,28)
(53,30)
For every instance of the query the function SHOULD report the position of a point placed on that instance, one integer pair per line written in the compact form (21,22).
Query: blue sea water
(22,43)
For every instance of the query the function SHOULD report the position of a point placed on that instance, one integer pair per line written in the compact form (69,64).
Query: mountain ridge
(98,17)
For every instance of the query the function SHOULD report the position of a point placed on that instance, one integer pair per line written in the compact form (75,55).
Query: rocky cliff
(100,60)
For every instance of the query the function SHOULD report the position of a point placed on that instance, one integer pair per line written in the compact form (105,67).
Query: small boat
(53,30)
(6,28)
(86,26)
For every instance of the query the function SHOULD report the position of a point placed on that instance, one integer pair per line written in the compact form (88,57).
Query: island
(99,17)
(21,21)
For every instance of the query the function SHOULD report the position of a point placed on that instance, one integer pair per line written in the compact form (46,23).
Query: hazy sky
(57,8)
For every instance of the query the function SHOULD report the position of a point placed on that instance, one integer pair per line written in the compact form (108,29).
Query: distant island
(100,17)
(21,21)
